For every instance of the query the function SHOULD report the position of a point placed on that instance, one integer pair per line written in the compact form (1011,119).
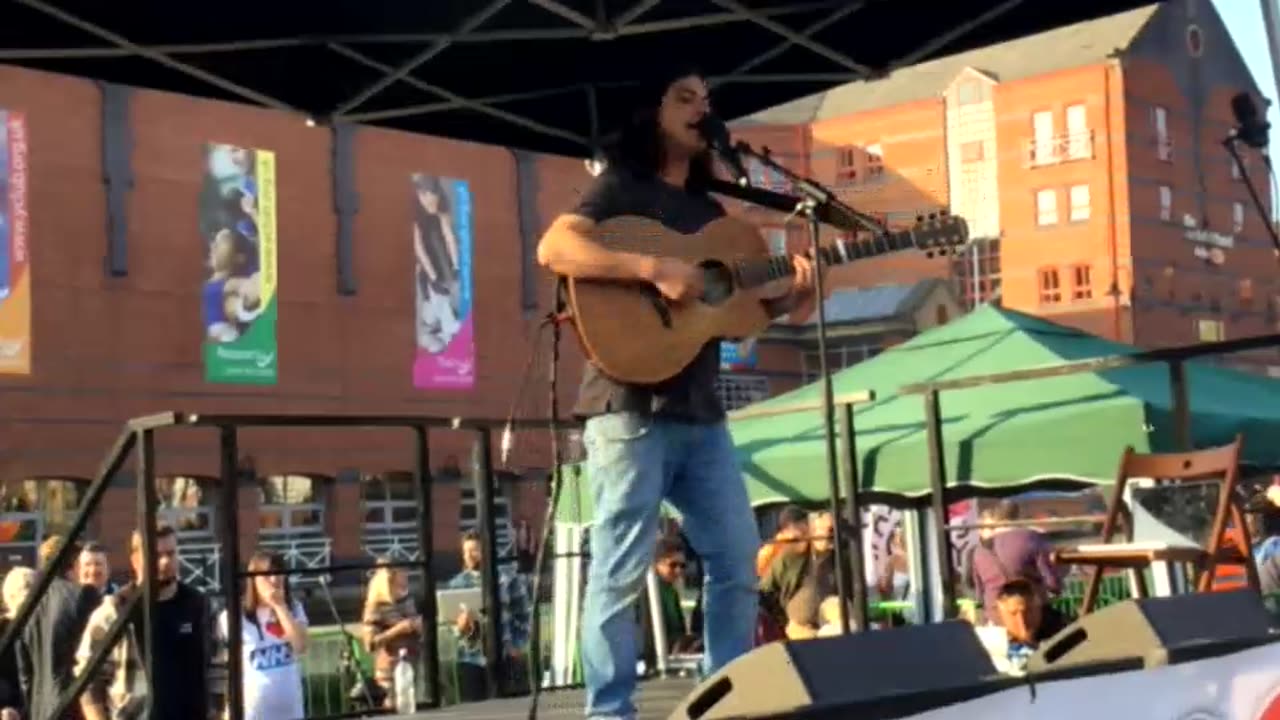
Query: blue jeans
(635,462)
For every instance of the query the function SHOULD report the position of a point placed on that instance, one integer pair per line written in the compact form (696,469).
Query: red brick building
(108,348)
(1078,158)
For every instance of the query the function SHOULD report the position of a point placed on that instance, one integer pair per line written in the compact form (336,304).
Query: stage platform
(654,698)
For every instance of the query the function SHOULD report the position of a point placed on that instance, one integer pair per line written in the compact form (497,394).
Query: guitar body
(635,336)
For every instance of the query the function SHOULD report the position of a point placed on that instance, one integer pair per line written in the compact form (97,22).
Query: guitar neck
(759,271)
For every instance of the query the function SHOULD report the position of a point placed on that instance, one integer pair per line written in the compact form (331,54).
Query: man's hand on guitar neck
(801,300)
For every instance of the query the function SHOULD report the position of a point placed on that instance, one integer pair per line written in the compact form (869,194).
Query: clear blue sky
(1244,21)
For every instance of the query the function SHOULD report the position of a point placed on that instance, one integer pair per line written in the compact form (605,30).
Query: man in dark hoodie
(47,648)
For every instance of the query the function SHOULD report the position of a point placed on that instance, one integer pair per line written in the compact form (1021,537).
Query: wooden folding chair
(1219,549)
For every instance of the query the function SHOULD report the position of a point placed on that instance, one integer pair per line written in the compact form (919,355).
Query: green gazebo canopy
(996,436)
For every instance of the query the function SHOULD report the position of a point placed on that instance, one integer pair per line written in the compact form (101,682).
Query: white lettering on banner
(1240,686)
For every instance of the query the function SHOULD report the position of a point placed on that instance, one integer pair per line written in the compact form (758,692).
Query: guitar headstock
(939,233)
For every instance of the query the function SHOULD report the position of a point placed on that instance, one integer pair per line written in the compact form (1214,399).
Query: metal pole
(430,663)
(829,419)
(938,500)
(147,535)
(229,462)
(482,467)
(853,505)
(1181,405)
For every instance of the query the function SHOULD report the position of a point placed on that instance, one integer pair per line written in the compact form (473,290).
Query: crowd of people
(73,620)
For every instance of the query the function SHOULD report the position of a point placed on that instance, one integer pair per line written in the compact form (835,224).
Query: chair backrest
(1209,463)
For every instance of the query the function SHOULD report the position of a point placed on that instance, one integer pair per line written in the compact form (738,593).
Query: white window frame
(1237,217)
(1077,132)
(1164,145)
(1046,207)
(1166,203)
(1079,203)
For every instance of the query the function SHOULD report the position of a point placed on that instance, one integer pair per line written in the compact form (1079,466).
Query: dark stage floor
(656,699)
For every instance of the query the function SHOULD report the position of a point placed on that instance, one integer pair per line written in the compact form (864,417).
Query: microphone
(716,133)
(1251,128)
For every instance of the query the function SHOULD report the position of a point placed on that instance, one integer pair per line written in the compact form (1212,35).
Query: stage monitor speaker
(830,677)
(1153,630)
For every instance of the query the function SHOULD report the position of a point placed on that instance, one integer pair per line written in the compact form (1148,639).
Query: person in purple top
(1011,553)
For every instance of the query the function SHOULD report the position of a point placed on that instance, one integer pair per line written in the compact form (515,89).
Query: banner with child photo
(238,231)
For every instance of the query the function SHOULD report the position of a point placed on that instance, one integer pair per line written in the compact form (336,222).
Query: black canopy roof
(545,75)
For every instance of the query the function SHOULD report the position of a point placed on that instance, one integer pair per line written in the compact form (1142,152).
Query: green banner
(238,224)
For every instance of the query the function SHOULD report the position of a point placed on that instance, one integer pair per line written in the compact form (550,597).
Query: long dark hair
(262,561)
(639,148)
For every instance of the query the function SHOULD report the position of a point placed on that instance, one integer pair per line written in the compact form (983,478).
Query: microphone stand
(1230,144)
(816,201)
(349,665)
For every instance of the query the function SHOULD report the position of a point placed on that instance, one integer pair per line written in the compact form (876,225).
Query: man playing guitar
(669,441)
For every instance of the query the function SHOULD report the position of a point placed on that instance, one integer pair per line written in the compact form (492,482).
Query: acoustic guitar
(634,335)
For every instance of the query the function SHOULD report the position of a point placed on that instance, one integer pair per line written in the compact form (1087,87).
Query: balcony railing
(300,553)
(1067,147)
(198,565)
(394,545)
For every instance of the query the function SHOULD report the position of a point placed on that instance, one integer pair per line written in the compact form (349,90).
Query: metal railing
(1064,147)
(139,436)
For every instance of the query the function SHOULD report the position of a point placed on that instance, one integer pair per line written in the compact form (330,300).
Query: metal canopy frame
(831,65)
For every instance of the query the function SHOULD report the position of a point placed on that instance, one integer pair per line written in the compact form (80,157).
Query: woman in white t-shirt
(273,635)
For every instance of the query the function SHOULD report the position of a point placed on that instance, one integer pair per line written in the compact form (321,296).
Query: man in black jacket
(46,650)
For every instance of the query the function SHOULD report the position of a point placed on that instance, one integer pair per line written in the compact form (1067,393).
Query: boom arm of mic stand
(827,207)
(1230,144)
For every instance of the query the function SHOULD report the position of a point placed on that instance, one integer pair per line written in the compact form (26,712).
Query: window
(1235,166)
(1050,288)
(875,161)
(839,358)
(1166,203)
(1237,217)
(291,505)
(389,501)
(1078,139)
(970,92)
(738,391)
(1046,207)
(1210,330)
(777,239)
(1042,152)
(846,165)
(469,517)
(1164,145)
(1079,195)
(1245,293)
(756,172)
(971,151)
(977,273)
(187,503)
(1081,282)
(30,511)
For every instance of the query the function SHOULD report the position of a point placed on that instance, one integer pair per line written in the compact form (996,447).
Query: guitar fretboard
(758,271)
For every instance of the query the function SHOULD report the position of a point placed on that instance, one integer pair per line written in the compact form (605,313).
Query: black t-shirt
(181,667)
(690,395)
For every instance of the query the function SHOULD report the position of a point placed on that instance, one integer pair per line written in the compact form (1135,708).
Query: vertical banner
(15,262)
(238,305)
(445,358)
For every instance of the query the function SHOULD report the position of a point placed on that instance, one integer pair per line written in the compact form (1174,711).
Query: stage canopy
(547,75)
(1052,432)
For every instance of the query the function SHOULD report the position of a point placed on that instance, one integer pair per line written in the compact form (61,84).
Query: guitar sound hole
(717,282)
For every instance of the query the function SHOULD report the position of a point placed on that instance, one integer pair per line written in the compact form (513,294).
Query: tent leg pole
(938,501)
(1181,404)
